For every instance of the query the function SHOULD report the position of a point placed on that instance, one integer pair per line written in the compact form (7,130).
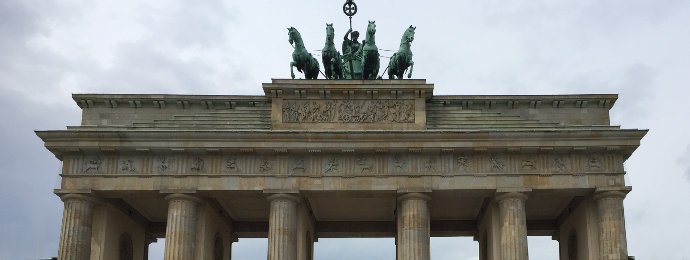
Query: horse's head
(371,28)
(292,34)
(330,32)
(408,36)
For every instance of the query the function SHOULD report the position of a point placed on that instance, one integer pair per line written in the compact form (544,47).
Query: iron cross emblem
(350,8)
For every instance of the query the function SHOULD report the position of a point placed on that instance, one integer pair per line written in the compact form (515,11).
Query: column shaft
(513,226)
(612,241)
(180,232)
(413,227)
(75,236)
(282,227)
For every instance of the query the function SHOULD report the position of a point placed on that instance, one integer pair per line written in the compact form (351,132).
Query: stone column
(180,231)
(282,227)
(612,241)
(513,228)
(75,236)
(413,227)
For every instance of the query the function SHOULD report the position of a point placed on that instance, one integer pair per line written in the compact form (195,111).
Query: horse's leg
(334,69)
(392,66)
(378,66)
(314,68)
(409,75)
(324,59)
(292,73)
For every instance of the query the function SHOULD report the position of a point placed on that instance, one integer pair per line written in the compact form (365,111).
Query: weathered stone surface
(282,230)
(612,241)
(346,152)
(513,228)
(180,234)
(75,236)
(414,227)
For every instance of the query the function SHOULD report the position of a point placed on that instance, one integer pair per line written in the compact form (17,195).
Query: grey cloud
(17,22)
(202,24)
(684,161)
(31,219)
(636,93)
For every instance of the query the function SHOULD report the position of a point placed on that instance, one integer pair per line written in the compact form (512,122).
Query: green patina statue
(370,54)
(330,56)
(402,59)
(302,59)
(352,56)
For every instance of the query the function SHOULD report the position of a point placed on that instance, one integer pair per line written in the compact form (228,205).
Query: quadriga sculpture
(370,53)
(402,59)
(330,56)
(302,59)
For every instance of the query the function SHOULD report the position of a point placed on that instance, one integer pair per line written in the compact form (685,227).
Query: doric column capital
(284,196)
(181,196)
(414,196)
(602,193)
(80,197)
(511,195)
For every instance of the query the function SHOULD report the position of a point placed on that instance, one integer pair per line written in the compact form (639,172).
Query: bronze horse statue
(330,56)
(301,59)
(402,59)
(370,54)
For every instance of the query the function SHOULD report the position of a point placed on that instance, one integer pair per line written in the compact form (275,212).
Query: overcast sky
(639,49)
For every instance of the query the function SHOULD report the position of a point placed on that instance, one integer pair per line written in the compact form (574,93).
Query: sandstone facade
(325,158)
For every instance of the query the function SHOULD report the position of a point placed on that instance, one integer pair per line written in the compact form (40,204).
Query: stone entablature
(316,164)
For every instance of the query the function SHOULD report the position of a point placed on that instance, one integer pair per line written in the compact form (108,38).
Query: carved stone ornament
(463,163)
(342,164)
(197,164)
(594,163)
(364,165)
(496,164)
(558,164)
(332,165)
(528,164)
(93,165)
(348,111)
(399,163)
(430,164)
(163,164)
(128,166)
(265,166)
(298,165)
(231,164)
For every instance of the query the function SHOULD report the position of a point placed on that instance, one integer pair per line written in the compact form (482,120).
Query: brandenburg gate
(314,159)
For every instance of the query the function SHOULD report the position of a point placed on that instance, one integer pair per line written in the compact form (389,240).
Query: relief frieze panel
(332,165)
(345,164)
(129,165)
(165,164)
(348,111)
(233,164)
(93,164)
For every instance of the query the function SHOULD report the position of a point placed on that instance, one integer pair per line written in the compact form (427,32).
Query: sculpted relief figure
(349,111)
(93,165)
